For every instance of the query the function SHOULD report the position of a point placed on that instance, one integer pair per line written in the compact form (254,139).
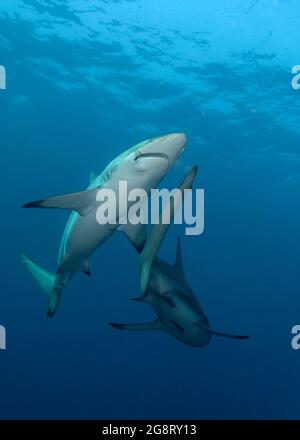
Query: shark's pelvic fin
(46,281)
(224,335)
(93,177)
(82,202)
(179,261)
(159,231)
(146,326)
(136,234)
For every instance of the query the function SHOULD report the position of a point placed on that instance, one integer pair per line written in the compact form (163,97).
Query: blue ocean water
(85,81)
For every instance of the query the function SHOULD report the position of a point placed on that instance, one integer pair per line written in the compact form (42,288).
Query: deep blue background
(86,80)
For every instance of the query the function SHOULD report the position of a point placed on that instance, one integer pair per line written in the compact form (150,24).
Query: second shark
(166,289)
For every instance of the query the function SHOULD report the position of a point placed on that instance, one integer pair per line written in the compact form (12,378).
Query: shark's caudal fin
(146,326)
(46,281)
(223,335)
(159,231)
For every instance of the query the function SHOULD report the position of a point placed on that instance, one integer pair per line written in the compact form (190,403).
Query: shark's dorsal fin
(179,261)
(93,177)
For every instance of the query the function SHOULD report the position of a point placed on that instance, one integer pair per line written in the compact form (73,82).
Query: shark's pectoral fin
(82,202)
(224,335)
(146,326)
(136,234)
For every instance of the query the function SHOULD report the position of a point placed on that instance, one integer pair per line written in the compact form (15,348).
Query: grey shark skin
(168,292)
(142,166)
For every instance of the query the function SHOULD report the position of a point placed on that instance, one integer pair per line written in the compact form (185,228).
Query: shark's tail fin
(46,281)
(159,230)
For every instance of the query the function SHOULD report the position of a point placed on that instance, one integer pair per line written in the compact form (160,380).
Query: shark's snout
(163,149)
(178,138)
(172,145)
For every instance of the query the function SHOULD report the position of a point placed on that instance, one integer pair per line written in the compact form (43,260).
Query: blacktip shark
(166,289)
(142,166)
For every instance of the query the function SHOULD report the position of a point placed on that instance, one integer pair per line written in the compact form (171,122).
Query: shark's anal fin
(82,202)
(224,335)
(146,326)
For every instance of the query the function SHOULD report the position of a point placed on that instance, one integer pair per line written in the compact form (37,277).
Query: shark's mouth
(140,155)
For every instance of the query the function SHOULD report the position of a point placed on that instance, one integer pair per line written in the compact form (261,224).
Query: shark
(166,289)
(142,166)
